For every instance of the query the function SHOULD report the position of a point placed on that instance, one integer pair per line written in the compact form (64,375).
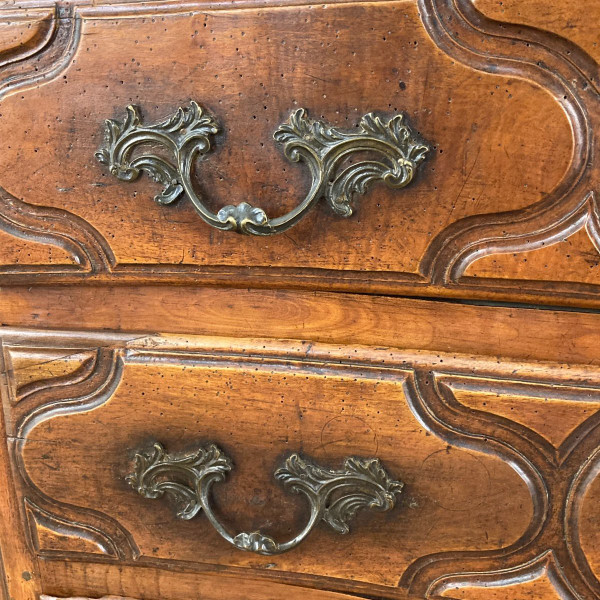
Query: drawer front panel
(259,414)
(495,199)
(475,442)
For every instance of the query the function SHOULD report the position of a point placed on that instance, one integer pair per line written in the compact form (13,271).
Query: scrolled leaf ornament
(326,149)
(156,474)
(187,135)
(342,164)
(334,496)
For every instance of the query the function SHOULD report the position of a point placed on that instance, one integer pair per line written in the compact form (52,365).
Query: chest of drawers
(300,300)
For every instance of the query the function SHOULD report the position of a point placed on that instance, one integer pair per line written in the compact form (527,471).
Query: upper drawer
(495,149)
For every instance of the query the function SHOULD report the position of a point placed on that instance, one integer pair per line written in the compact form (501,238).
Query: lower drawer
(484,478)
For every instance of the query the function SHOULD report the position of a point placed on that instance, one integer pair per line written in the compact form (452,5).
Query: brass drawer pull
(187,136)
(334,496)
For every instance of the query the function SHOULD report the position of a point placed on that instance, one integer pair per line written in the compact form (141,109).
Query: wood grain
(439,417)
(349,319)
(447,235)
(123,322)
(19,573)
(96,579)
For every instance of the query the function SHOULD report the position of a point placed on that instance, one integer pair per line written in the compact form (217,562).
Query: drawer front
(259,412)
(497,458)
(493,204)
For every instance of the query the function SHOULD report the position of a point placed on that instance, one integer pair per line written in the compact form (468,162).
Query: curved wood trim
(456,27)
(89,250)
(43,31)
(543,58)
(545,545)
(93,391)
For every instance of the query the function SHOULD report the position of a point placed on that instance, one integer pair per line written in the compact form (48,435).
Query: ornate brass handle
(187,136)
(334,496)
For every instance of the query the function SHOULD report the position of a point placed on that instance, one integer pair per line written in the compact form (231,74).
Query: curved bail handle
(342,164)
(334,496)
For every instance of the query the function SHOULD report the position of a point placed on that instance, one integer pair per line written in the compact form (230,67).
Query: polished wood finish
(450,329)
(504,208)
(492,434)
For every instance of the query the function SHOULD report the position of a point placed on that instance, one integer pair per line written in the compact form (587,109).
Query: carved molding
(41,27)
(543,58)
(50,53)
(555,476)
(26,378)
(89,250)
(44,404)
(512,581)
(551,539)
(64,535)
(22,68)
(567,73)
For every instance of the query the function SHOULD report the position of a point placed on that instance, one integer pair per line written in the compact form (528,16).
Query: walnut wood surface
(505,208)
(495,435)
(123,322)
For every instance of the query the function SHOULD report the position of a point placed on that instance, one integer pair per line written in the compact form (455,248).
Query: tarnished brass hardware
(334,496)
(187,136)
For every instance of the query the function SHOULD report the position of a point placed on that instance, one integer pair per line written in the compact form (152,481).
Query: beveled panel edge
(433,404)
(24,10)
(557,379)
(562,68)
